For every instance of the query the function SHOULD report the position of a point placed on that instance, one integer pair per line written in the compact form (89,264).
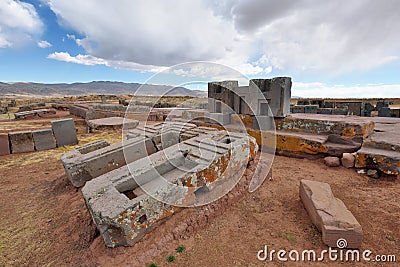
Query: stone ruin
(34,113)
(178,162)
(115,123)
(97,158)
(62,133)
(361,108)
(262,99)
(133,186)
(184,174)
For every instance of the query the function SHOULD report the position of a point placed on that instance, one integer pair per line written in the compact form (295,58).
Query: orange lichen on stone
(349,132)
(296,144)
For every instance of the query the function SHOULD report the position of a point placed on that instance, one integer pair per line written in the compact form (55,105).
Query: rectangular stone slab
(64,132)
(113,123)
(4,145)
(21,142)
(43,139)
(330,215)
(82,167)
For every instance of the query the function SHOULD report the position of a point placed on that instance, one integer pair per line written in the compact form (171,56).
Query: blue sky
(329,49)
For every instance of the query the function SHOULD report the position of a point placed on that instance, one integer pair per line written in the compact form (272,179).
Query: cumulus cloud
(89,60)
(147,32)
(329,37)
(44,44)
(19,23)
(253,36)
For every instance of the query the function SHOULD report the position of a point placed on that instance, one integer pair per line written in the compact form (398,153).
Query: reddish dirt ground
(44,221)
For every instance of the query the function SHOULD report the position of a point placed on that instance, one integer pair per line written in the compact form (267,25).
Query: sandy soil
(44,221)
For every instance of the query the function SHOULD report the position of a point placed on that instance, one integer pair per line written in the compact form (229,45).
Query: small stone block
(21,142)
(43,139)
(64,132)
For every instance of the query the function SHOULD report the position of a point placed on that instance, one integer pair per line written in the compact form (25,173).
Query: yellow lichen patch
(381,162)
(368,129)
(214,171)
(246,120)
(349,132)
(255,134)
(296,144)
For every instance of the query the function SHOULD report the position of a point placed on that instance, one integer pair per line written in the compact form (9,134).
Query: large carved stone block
(186,174)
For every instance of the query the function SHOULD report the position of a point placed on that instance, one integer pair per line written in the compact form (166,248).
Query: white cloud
(44,44)
(321,90)
(253,36)
(19,23)
(147,32)
(89,60)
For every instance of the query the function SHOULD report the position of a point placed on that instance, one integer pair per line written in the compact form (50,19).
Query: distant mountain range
(96,87)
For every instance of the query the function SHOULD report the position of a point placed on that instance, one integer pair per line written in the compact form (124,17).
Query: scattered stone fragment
(330,215)
(373,174)
(64,132)
(348,160)
(332,161)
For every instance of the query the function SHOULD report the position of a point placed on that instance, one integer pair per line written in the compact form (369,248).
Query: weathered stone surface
(32,106)
(373,174)
(348,160)
(32,113)
(384,112)
(385,160)
(345,126)
(21,142)
(228,97)
(138,112)
(220,118)
(193,132)
(4,145)
(60,106)
(159,128)
(332,161)
(330,215)
(381,150)
(113,123)
(265,123)
(95,159)
(64,132)
(184,173)
(302,145)
(79,110)
(43,139)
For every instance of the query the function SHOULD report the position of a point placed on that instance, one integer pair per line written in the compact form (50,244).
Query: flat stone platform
(112,123)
